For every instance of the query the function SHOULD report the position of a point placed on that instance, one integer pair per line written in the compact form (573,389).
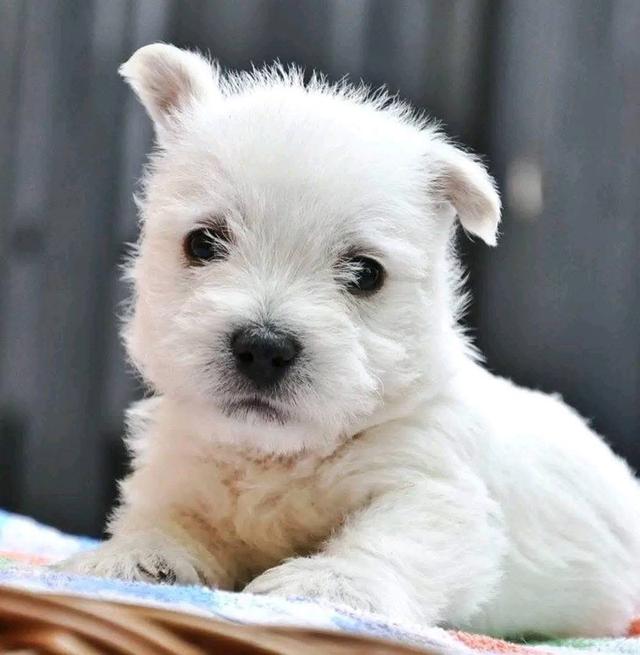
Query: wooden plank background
(549,90)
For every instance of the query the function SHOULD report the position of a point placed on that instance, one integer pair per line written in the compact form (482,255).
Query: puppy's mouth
(257,406)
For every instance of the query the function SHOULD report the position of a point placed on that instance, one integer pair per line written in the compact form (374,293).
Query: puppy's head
(294,281)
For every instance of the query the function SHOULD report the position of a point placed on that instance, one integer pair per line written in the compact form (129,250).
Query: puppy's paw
(317,578)
(145,558)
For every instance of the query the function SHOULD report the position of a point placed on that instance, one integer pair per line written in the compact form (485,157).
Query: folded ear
(463,181)
(167,79)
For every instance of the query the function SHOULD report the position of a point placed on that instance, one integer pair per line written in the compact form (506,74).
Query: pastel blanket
(26,547)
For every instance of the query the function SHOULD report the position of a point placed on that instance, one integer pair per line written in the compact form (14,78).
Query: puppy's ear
(461,180)
(167,80)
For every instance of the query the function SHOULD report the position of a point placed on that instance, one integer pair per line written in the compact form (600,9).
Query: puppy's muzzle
(264,354)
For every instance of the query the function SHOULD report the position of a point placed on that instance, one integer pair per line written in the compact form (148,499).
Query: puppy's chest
(273,508)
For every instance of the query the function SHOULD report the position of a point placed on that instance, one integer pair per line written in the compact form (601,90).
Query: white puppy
(319,425)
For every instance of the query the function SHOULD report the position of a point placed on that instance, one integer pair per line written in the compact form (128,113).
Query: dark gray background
(548,90)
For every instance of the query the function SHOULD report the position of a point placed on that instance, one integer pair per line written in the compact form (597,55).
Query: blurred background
(549,91)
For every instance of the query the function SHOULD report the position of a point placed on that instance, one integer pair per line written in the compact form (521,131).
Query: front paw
(144,558)
(317,578)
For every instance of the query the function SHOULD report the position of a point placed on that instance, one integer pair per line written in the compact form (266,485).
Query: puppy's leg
(428,553)
(154,551)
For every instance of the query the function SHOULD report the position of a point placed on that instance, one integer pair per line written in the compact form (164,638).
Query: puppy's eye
(206,244)
(368,275)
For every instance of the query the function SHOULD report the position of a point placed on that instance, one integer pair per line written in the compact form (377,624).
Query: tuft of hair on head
(169,80)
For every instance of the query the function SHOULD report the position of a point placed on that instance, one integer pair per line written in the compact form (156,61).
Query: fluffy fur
(399,477)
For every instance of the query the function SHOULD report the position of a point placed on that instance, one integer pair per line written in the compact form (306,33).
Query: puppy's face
(293,282)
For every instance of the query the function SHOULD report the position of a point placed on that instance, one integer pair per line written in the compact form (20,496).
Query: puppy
(319,425)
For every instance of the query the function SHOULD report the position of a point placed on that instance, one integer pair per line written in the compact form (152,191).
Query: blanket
(26,547)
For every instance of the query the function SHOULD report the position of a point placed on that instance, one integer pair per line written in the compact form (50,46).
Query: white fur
(406,480)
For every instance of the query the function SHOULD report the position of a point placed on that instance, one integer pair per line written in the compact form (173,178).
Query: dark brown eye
(368,275)
(206,244)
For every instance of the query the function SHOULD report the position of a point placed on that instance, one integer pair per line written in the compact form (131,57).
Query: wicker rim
(37,622)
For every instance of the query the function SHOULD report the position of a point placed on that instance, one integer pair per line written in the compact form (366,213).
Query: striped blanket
(26,547)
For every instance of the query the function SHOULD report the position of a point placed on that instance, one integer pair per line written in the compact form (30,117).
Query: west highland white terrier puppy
(319,425)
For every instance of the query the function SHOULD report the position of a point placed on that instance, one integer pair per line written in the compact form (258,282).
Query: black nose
(263,354)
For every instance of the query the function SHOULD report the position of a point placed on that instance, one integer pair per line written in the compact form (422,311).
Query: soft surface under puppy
(319,424)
